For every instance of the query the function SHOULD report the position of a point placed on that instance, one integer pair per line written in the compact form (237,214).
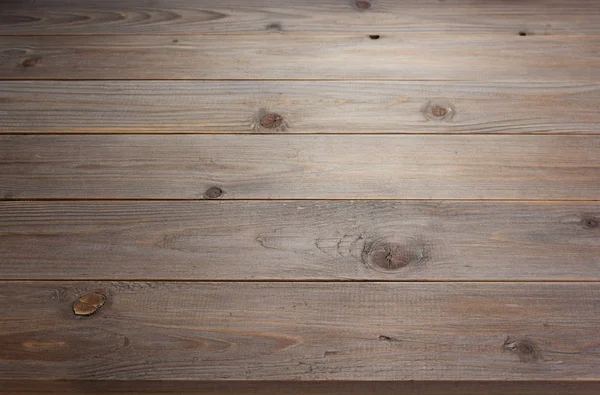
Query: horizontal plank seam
(301,281)
(509,33)
(283,199)
(249,132)
(501,81)
(294,381)
(289,34)
(263,382)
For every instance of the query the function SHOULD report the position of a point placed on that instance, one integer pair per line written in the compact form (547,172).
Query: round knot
(29,62)
(389,257)
(362,5)
(526,349)
(589,223)
(438,111)
(271,120)
(90,303)
(213,193)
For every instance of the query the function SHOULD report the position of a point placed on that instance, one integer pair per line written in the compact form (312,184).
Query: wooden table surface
(300,197)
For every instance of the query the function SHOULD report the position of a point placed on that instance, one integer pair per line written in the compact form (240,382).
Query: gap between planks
(203,200)
(361,79)
(301,280)
(330,387)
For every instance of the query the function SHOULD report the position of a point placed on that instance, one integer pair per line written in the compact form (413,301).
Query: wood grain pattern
(318,107)
(170,296)
(423,57)
(548,17)
(309,240)
(129,387)
(302,331)
(299,167)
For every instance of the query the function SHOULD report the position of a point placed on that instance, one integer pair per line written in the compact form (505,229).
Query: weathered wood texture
(308,17)
(303,167)
(286,95)
(431,57)
(316,240)
(129,387)
(318,107)
(302,331)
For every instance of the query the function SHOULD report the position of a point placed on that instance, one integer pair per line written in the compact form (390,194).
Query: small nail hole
(522,34)
(374,36)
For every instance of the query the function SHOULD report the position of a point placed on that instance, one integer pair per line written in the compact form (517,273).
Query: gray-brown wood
(307,17)
(129,387)
(300,167)
(416,57)
(302,331)
(309,240)
(318,107)
(421,126)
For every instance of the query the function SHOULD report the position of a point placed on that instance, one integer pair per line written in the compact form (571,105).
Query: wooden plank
(423,57)
(302,331)
(308,240)
(548,17)
(299,167)
(319,107)
(128,387)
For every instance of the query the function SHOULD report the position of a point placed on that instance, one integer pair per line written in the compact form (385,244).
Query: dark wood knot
(274,27)
(213,193)
(271,120)
(31,62)
(526,349)
(90,303)
(362,5)
(438,111)
(589,223)
(389,257)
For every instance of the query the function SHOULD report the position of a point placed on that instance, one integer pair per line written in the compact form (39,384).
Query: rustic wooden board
(430,57)
(318,107)
(129,387)
(192,296)
(308,240)
(308,17)
(302,331)
(299,166)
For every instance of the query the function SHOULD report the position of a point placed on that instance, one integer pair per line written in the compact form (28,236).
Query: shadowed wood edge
(299,388)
